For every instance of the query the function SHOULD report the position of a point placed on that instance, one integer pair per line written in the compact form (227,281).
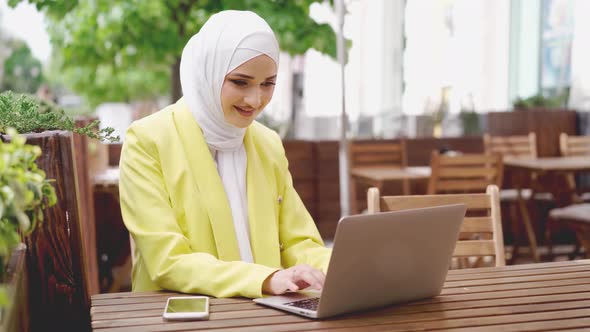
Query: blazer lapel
(208,183)
(262,206)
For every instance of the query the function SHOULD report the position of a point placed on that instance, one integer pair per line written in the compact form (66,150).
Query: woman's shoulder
(261,130)
(159,125)
(156,120)
(264,136)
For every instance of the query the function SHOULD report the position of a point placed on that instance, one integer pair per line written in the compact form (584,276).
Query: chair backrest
(482,218)
(524,146)
(377,154)
(574,145)
(464,173)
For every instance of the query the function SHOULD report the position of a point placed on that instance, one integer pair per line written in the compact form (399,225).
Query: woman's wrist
(266,284)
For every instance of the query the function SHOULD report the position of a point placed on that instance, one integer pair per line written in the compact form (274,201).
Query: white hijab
(226,40)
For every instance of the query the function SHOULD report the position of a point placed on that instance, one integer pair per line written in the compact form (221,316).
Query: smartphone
(187,308)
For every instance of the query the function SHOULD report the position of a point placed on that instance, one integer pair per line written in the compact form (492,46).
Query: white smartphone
(187,308)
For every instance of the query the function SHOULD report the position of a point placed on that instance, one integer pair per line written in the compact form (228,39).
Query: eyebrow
(251,77)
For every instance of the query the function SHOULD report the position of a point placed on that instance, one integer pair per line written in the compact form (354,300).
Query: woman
(205,191)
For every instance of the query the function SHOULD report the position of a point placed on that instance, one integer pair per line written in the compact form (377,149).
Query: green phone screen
(187,305)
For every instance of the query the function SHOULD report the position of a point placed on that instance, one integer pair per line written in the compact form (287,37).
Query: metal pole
(343,148)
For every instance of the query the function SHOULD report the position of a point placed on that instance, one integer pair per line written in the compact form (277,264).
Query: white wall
(461,44)
(525,21)
(580,88)
(373,74)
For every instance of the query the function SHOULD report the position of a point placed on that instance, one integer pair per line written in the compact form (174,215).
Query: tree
(22,71)
(130,49)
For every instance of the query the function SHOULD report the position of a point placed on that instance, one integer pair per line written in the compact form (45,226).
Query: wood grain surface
(534,297)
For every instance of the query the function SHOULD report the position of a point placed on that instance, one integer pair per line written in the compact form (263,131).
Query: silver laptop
(381,259)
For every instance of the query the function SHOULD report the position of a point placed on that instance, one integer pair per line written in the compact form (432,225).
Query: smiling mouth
(245,113)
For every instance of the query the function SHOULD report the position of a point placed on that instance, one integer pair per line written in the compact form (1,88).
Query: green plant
(24,192)
(27,114)
(539,100)
(470,122)
(122,50)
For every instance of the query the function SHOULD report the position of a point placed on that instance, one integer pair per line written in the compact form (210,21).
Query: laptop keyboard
(309,304)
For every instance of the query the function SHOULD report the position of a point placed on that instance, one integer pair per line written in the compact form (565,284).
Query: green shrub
(24,192)
(27,114)
(539,100)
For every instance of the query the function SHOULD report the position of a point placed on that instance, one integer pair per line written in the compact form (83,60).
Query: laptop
(381,259)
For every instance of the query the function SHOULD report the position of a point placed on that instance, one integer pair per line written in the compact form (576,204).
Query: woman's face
(247,90)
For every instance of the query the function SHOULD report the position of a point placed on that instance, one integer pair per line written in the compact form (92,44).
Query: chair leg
(515,229)
(406,186)
(479,262)
(586,245)
(572,256)
(583,235)
(462,262)
(529,230)
(549,241)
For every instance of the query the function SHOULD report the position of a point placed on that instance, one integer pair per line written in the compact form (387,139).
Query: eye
(240,83)
(268,84)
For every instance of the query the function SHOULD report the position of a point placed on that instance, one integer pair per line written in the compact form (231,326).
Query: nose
(254,98)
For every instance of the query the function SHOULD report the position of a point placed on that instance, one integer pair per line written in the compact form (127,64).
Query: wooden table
(544,296)
(107,181)
(116,260)
(560,166)
(553,164)
(377,176)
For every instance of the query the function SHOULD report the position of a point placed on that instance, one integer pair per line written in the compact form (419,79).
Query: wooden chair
(372,154)
(464,173)
(575,216)
(575,146)
(523,146)
(482,219)
(511,146)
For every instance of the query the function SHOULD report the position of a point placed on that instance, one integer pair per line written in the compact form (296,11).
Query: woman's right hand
(293,279)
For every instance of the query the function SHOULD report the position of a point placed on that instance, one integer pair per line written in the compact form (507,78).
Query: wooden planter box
(15,317)
(57,266)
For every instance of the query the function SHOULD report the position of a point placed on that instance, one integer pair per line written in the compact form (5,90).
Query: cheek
(267,95)
(228,96)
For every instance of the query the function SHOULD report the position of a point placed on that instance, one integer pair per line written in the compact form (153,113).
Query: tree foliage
(22,71)
(121,50)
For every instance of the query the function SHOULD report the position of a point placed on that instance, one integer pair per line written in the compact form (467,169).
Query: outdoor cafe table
(377,176)
(533,297)
(560,166)
(107,181)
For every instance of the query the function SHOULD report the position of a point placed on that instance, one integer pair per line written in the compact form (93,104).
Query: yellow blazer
(175,207)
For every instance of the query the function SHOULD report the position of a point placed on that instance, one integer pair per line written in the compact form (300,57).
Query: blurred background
(415,68)
(420,81)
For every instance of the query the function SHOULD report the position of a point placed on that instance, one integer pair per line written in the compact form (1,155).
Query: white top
(238,203)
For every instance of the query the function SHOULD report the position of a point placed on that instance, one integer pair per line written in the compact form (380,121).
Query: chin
(241,123)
